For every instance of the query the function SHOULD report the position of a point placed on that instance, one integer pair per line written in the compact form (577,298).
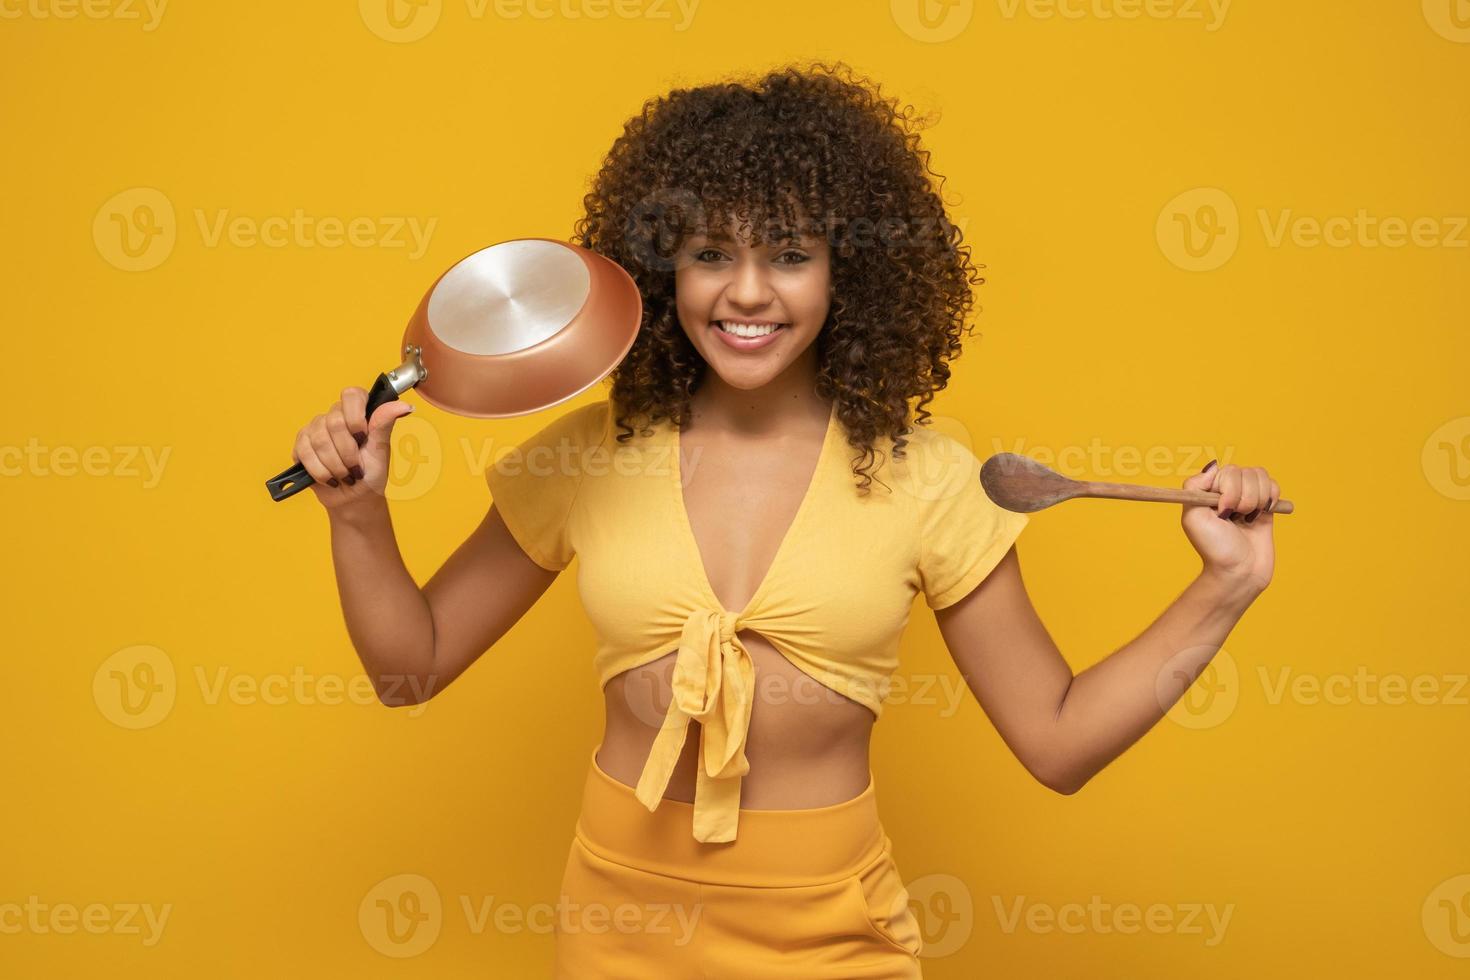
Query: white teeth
(745,329)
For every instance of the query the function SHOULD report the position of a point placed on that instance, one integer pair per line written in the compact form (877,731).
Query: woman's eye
(785,258)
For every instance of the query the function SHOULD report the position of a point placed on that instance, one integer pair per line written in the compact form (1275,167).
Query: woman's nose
(749,289)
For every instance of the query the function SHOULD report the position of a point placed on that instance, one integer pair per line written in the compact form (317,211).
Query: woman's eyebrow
(725,239)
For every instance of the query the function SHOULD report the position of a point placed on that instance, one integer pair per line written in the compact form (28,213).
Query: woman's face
(720,285)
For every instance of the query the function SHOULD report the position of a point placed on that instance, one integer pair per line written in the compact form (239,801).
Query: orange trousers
(808,893)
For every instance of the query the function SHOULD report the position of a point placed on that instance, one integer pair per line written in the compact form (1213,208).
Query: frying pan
(508,330)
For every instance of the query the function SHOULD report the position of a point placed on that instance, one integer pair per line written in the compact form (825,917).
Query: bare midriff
(807,745)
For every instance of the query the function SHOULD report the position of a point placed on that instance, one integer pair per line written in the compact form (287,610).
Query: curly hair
(798,151)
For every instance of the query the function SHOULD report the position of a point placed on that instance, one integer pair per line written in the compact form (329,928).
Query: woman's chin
(746,377)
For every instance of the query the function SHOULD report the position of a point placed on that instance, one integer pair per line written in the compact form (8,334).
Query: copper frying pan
(509,330)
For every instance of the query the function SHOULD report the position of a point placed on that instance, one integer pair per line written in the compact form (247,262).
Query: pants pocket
(885,904)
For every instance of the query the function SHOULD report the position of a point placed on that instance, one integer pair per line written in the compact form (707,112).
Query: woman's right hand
(347,459)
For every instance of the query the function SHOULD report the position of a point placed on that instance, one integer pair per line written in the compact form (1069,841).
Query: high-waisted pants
(809,894)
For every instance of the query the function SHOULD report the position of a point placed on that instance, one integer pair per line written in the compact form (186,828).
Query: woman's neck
(786,402)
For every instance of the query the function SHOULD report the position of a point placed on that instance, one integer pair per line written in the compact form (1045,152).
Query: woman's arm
(413,643)
(1065,729)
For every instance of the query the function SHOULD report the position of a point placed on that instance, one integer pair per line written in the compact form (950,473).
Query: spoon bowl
(1019,483)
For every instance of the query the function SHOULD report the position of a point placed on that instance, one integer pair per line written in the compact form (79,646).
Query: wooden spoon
(1019,483)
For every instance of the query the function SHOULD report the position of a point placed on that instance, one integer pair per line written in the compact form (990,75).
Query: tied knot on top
(713,684)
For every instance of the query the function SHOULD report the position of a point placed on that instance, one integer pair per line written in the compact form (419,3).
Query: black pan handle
(386,389)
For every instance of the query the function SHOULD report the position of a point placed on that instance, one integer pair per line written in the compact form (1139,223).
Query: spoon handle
(1167,495)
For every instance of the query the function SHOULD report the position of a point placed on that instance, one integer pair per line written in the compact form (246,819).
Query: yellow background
(1331,828)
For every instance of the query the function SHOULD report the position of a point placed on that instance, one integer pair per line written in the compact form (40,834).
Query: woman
(748,575)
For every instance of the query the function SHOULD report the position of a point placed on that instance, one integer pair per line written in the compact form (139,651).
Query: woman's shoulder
(927,444)
(940,437)
(583,426)
(936,463)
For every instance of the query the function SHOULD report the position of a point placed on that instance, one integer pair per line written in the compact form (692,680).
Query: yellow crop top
(834,602)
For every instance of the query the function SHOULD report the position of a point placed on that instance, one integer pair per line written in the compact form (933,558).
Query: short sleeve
(534,485)
(963,534)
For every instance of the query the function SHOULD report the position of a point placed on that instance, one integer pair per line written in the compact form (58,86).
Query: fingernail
(1208,465)
(357,472)
(1251,519)
(1227,514)
(361,437)
(333,482)
(351,479)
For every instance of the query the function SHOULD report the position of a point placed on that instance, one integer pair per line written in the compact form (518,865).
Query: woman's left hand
(1233,538)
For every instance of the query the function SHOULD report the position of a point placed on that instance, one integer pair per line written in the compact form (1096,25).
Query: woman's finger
(1252,497)
(1229,489)
(354,408)
(1204,479)
(343,441)
(1250,492)
(307,457)
(327,453)
(1272,495)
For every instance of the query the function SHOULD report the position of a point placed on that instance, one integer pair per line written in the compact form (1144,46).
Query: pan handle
(387,388)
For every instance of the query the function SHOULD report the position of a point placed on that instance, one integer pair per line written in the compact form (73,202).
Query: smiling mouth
(736,328)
